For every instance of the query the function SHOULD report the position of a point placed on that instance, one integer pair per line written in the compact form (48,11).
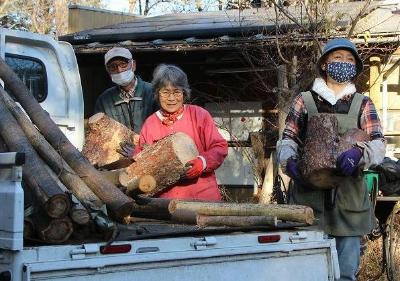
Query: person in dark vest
(131,100)
(345,214)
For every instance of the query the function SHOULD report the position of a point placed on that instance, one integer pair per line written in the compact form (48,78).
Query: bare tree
(45,16)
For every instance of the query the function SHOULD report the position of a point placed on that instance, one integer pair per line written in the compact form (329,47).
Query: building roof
(380,21)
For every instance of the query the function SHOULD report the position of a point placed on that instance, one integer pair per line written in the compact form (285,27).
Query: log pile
(103,138)
(222,214)
(64,189)
(322,146)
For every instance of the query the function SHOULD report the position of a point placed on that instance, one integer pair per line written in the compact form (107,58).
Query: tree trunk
(322,146)
(294,213)
(103,138)
(242,221)
(54,201)
(53,230)
(164,160)
(119,203)
(67,176)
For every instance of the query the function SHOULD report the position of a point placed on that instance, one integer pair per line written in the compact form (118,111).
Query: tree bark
(53,200)
(242,221)
(103,138)
(164,160)
(118,203)
(295,213)
(322,146)
(67,176)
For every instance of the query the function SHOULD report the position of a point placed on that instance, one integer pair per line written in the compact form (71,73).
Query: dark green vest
(351,214)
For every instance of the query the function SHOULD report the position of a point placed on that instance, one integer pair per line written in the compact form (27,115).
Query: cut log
(53,200)
(53,230)
(67,176)
(78,212)
(103,139)
(119,204)
(241,221)
(296,213)
(144,184)
(322,146)
(164,160)
(154,208)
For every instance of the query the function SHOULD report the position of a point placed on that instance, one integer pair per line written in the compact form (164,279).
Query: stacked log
(294,213)
(103,138)
(221,214)
(322,146)
(116,201)
(159,165)
(66,191)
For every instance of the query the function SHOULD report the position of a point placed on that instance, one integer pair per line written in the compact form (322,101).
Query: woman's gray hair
(168,74)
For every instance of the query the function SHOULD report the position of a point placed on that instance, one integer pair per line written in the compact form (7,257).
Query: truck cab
(50,71)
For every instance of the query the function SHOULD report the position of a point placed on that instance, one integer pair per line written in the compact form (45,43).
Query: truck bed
(182,252)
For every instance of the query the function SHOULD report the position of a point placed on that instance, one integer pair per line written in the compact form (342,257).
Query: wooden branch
(67,176)
(53,200)
(241,221)
(295,213)
(119,204)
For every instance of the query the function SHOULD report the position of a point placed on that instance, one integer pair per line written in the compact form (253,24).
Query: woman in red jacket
(171,89)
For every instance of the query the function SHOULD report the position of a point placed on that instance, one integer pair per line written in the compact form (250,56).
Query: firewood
(296,213)
(103,139)
(78,212)
(54,201)
(53,230)
(322,146)
(154,208)
(242,221)
(164,160)
(119,204)
(67,176)
(144,184)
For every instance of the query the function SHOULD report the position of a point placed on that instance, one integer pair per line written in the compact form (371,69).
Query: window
(32,72)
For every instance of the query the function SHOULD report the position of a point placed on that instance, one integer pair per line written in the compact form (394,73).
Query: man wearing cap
(131,101)
(344,212)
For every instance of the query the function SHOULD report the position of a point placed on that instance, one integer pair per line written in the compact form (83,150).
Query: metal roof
(227,28)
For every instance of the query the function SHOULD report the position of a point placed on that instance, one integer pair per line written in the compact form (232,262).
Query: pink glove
(195,168)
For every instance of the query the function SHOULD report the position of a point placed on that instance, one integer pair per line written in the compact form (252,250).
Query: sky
(117,5)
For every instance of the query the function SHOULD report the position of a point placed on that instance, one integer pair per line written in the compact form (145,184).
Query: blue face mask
(341,72)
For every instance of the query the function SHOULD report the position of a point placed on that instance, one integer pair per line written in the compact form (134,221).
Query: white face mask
(123,78)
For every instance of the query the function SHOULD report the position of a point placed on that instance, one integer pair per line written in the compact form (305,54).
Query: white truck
(143,251)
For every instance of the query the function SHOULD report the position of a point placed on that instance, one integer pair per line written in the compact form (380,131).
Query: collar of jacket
(326,93)
(138,92)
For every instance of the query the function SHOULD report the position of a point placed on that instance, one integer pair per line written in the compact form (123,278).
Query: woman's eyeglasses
(166,93)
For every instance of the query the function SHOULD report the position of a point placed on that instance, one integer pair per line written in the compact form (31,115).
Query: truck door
(49,69)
